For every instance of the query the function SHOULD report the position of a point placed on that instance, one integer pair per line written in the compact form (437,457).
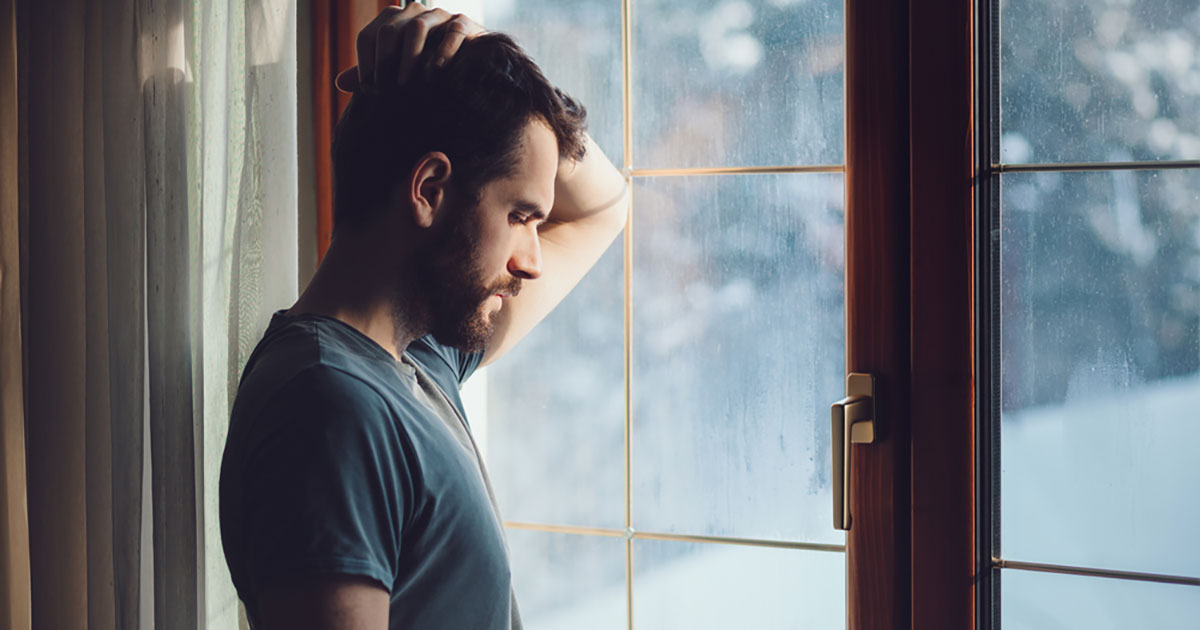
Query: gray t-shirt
(341,459)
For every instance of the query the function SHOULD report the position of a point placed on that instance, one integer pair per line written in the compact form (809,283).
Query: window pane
(717,587)
(738,352)
(1100,369)
(567,581)
(1047,600)
(556,410)
(739,83)
(1099,81)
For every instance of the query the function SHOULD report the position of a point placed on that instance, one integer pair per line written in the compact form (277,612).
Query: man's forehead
(533,175)
(539,146)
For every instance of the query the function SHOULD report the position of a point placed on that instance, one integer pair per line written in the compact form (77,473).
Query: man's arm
(590,209)
(312,503)
(333,602)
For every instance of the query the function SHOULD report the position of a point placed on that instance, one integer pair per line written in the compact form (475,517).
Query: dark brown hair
(473,110)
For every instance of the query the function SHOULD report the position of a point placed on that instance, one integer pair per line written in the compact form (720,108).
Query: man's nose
(526,261)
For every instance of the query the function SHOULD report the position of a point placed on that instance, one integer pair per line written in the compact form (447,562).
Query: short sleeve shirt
(342,460)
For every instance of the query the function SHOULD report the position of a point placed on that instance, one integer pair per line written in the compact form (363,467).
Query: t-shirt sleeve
(462,364)
(326,484)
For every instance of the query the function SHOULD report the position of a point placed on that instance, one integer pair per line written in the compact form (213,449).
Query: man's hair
(474,110)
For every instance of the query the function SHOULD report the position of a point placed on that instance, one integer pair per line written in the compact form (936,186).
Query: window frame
(943,406)
(986,298)
(878,557)
(917,486)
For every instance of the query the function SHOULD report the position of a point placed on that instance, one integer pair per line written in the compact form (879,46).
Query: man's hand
(389,47)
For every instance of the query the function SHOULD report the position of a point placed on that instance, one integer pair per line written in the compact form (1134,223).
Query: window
(670,465)
(1092,185)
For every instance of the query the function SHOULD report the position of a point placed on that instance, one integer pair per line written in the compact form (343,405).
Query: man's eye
(516,217)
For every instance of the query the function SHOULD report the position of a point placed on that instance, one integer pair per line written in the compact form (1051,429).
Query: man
(468,202)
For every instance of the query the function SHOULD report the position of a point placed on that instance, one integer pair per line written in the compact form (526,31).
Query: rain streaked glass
(1099,81)
(1100,364)
(568,581)
(739,349)
(737,83)
(1048,600)
(689,586)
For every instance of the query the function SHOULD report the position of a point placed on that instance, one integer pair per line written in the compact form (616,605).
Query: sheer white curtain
(243,135)
(158,194)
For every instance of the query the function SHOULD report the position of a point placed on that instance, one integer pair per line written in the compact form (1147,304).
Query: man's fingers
(390,46)
(458,29)
(387,49)
(364,44)
(415,34)
(367,40)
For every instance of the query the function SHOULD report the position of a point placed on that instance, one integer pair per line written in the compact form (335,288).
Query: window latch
(853,422)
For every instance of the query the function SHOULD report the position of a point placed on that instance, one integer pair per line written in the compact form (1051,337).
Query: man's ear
(427,184)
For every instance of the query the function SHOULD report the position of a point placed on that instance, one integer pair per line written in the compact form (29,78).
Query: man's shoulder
(296,405)
(308,359)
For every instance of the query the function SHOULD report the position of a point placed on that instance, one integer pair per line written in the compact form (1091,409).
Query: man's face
(479,257)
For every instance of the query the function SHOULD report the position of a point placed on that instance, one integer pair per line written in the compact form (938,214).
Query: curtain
(14,530)
(156,190)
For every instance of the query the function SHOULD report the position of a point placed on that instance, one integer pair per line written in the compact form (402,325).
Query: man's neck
(353,285)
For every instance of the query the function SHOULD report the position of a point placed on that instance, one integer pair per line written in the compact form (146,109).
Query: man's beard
(454,285)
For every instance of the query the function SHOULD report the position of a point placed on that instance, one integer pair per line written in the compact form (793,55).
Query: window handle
(853,422)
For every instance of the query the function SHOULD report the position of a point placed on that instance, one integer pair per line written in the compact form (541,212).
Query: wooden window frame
(943,404)
(910,310)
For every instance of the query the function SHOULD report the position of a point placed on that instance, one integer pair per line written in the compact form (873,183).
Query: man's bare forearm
(590,191)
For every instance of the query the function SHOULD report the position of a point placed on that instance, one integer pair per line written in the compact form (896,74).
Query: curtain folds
(161,188)
(14,519)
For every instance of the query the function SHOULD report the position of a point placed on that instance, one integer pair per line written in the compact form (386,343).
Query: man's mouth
(508,291)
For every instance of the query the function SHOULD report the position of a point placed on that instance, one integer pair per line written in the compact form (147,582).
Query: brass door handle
(853,422)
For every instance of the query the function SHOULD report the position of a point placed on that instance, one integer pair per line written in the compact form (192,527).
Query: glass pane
(1047,600)
(556,410)
(739,350)
(1099,81)
(577,43)
(717,587)
(567,581)
(739,83)
(1100,369)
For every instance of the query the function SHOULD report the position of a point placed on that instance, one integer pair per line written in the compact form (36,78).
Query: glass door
(671,466)
(1092,198)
